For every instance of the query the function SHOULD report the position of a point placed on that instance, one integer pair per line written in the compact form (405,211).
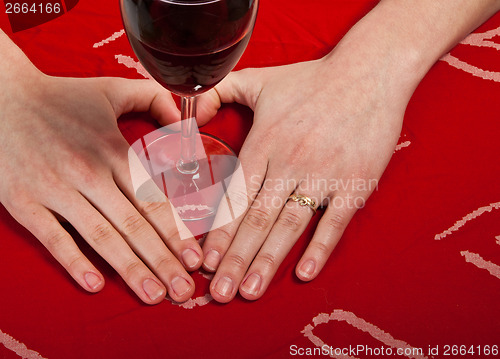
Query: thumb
(141,96)
(242,86)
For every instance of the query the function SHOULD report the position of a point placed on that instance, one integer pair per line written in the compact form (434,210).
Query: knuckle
(238,198)
(300,151)
(336,222)
(169,230)
(236,260)
(133,224)
(18,200)
(268,259)
(84,170)
(74,262)
(320,247)
(153,208)
(222,234)
(52,179)
(149,193)
(362,171)
(290,221)
(116,148)
(90,178)
(171,233)
(163,262)
(55,240)
(131,268)
(258,219)
(259,147)
(101,234)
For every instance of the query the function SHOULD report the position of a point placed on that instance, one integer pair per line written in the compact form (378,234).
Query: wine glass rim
(191,2)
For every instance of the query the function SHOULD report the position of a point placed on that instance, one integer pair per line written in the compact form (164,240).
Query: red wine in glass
(188,46)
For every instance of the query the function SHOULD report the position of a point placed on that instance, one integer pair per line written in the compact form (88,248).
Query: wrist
(375,48)
(16,66)
(399,41)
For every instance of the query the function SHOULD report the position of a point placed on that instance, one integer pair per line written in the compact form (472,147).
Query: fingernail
(153,289)
(190,258)
(306,270)
(212,260)
(93,280)
(252,284)
(224,286)
(180,286)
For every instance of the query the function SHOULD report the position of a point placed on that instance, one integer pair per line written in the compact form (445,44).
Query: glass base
(195,196)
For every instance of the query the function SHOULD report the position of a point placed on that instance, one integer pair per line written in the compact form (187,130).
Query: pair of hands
(64,156)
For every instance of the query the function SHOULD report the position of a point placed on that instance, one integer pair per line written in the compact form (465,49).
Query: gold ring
(303,201)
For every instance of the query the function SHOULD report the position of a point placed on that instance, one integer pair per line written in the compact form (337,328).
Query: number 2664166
(25,8)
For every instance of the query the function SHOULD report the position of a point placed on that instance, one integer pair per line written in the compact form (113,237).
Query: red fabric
(389,270)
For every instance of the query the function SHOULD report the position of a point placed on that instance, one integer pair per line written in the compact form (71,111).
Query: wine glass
(188,46)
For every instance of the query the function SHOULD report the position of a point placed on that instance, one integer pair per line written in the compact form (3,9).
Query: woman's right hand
(62,154)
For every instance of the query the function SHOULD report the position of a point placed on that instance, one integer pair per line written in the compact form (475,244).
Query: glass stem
(188,163)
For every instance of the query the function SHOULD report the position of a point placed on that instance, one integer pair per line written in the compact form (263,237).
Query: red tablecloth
(418,267)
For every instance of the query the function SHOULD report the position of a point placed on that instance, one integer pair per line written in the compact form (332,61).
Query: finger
(45,227)
(337,216)
(242,86)
(251,234)
(291,223)
(109,244)
(240,193)
(147,244)
(207,106)
(141,95)
(144,240)
(154,206)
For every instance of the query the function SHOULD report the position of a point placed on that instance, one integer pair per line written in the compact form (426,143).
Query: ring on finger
(303,201)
